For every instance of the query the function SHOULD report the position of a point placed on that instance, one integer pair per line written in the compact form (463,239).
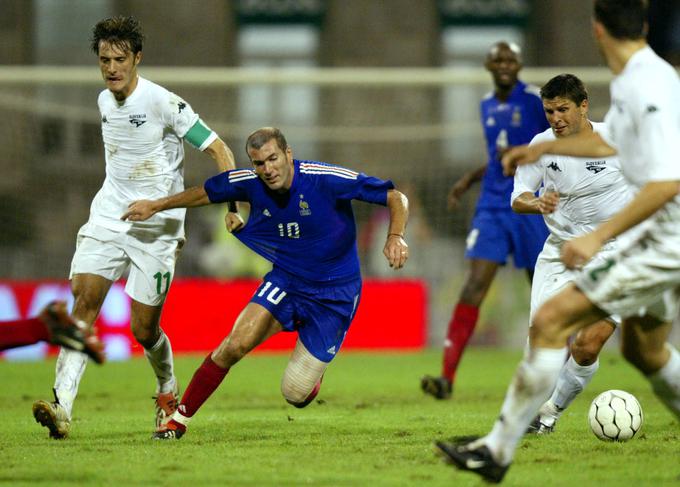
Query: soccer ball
(615,416)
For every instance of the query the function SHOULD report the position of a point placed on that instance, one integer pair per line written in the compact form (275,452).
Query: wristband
(400,235)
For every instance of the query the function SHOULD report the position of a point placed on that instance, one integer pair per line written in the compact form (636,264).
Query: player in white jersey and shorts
(577,194)
(143,128)
(642,284)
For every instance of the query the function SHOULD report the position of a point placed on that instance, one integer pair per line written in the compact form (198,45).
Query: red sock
(460,330)
(22,332)
(206,379)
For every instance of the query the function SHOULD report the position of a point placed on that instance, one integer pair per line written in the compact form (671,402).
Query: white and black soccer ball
(615,416)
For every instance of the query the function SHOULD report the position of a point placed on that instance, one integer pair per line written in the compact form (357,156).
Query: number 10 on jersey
(290,230)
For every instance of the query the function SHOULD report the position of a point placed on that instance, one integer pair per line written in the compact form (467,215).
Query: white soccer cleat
(54,417)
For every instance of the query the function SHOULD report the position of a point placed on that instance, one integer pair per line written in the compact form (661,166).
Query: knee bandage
(303,373)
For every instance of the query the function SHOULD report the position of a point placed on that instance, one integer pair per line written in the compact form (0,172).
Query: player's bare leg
(301,381)
(253,326)
(556,320)
(145,324)
(644,343)
(463,321)
(575,375)
(89,291)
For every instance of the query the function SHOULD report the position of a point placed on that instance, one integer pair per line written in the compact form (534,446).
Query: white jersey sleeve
(528,178)
(178,115)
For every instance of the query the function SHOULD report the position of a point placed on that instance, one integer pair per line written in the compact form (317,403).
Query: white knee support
(302,374)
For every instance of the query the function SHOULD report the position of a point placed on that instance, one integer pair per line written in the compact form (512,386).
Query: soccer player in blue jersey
(301,220)
(511,115)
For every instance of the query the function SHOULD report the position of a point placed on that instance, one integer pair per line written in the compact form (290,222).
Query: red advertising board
(198,313)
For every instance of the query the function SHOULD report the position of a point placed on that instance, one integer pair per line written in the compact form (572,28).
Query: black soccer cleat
(172,430)
(438,387)
(464,454)
(168,433)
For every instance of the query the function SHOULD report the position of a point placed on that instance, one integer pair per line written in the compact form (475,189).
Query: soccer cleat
(171,431)
(70,333)
(166,405)
(53,416)
(539,427)
(466,453)
(438,387)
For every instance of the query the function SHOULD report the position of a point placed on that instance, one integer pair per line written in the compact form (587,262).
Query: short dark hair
(122,32)
(263,135)
(623,19)
(565,86)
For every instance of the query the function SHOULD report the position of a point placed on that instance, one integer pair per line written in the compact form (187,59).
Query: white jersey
(144,158)
(591,190)
(643,122)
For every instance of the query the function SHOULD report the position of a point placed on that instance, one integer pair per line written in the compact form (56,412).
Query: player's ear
(138,58)
(289,153)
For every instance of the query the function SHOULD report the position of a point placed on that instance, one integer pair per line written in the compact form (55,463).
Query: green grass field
(370,426)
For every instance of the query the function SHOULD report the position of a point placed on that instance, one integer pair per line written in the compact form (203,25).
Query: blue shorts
(320,313)
(497,233)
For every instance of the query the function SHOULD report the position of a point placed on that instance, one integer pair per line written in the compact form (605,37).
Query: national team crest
(596,166)
(304,207)
(516,118)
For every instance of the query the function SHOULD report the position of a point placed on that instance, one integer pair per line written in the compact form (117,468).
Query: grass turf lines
(370,425)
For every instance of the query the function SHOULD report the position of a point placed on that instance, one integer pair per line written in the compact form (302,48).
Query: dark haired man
(642,284)
(143,127)
(578,195)
(301,220)
(511,115)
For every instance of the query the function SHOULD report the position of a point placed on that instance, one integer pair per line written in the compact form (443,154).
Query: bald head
(503,46)
(504,62)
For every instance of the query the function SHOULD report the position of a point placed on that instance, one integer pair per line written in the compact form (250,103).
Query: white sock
(666,382)
(572,380)
(70,369)
(160,358)
(533,381)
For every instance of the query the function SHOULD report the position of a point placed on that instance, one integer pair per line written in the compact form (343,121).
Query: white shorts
(151,262)
(551,275)
(645,278)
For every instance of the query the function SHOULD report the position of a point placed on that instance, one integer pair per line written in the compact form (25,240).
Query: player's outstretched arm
(224,158)
(396,249)
(585,144)
(141,210)
(462,185)
(651,197)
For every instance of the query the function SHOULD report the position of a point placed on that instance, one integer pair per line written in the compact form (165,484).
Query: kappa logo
(553,165)
(104,120)
(652,109)
(331,350)
(181,106)
(596,166)
(265,212)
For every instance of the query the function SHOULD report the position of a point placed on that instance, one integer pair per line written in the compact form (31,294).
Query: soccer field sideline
(370,425)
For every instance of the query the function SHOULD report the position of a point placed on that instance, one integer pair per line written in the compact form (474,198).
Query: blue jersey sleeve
(229,186)
(364,188)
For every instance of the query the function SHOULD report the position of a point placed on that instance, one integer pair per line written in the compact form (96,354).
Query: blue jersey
(308,231)
(513,122)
